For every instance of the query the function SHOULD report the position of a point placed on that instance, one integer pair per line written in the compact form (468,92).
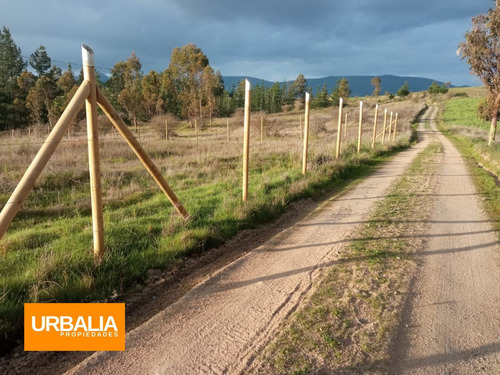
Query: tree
(435,88)
(130,97)
(481,50)
(238,95)
(24,84)
(67,80)
(341,90)
(183,80)
(321,99)
(151,87)
(404,90)
(274,98)
(258,102)
(484,110)
(11,66)
(40,61)
(40,101)
(11,61)
(376,81)
(207,100)
(299,88)
(115,84)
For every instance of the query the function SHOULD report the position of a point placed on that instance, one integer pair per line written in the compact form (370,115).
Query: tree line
(188,88)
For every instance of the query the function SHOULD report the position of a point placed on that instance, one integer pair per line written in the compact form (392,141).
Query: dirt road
(220,324)
(452,324)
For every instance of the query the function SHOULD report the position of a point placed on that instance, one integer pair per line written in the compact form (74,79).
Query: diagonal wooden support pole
(385,126)
(41,159)
(390,128)
(139,151)
(395,127)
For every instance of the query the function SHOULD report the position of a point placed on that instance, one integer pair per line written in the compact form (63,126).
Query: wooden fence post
(246,140)
(306,134)
(375,126)
(93,149)
(385,124)
(166,130)
(41,159)
(339,128)
(227,129)
(360,129)
(196,129)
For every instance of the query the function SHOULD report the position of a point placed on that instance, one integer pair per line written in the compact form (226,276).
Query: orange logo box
(74,326)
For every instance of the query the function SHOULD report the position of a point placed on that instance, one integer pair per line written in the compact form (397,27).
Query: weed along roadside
(47,253)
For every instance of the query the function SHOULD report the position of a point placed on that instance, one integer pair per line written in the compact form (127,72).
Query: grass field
(463,112)
(472,142)
(47,253)
(459,119)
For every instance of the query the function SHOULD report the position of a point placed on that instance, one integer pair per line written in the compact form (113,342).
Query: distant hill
(360,85)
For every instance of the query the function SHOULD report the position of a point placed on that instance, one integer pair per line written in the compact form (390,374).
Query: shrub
(158,124)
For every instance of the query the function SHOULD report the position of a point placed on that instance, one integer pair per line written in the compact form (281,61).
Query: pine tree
(11,67)
(40,61)
(341,90)
(404,90)
(11,61)
(299,87)
(321,99)
(274,98)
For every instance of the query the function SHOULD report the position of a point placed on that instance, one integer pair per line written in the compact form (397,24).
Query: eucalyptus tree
(481,50)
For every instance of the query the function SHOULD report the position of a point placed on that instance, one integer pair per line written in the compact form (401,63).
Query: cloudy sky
(269,39)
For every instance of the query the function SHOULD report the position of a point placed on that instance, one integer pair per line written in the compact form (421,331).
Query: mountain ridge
(360,85)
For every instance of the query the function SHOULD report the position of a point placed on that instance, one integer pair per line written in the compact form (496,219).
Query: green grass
(473,146)
(476,152)
(346,324)
(463,112)
(47,254)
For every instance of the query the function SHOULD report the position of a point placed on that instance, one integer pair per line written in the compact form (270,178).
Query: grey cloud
(264,38)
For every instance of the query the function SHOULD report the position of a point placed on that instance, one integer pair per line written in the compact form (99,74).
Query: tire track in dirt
(219,325)
(451,324)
